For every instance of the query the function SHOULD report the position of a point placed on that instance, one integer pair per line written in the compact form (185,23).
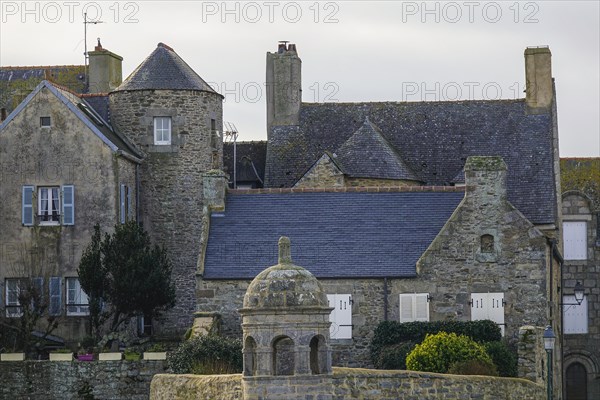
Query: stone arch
(249,356)
(318,355)
(577,363)
(576,381)
(284,356)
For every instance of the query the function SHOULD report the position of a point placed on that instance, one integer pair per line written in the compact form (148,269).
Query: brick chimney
(284,86)
(105,70)
(485,180)
(538,74)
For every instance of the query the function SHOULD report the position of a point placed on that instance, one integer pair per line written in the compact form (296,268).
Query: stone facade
(582,361)
(48,380)
(66,153)
(171,192)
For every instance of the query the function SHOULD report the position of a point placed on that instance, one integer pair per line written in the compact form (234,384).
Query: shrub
(503,357)
(394,356)
(207,355)
(390,333)
(473,367)
(438,352)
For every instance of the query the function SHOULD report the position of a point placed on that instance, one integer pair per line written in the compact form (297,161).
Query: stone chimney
(214,184)
(538,75)
(105,70)
(284,86)
(485,180)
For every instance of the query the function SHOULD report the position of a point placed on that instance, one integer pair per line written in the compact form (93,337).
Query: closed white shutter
(414,307)
(575,317)
(575,240)
(341,316)
(488,306)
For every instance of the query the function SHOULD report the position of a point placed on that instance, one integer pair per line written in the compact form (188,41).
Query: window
(55,296)
(162,130)
(341,316)
(487,244)
(575,317)
(414,307)
(77,300)
(125,204)
(48,205)
(488,306)
(13,305)
(575,240)
(45,122)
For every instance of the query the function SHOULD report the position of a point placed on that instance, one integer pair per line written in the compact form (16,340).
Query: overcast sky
(350,50)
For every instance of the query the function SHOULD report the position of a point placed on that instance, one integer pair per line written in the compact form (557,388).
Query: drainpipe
(385,299)
(137,193)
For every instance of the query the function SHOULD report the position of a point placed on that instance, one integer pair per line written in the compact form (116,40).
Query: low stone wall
(361,384)
(205,387)
(47,380)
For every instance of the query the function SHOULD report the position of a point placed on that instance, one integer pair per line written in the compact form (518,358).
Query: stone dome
(285,286)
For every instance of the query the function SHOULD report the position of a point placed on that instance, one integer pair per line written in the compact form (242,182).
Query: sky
(350,50)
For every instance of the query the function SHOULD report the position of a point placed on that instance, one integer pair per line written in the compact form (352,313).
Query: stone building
(581,251)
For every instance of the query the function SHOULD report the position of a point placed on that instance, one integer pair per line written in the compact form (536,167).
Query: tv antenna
(85,53)
(230,135)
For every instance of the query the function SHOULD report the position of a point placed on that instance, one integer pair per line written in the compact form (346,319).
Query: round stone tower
(285,320)
(175,120)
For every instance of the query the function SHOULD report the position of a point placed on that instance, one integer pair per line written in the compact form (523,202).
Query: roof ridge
(40,66)
(352,189)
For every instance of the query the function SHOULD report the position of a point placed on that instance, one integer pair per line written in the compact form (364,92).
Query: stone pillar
(538,73)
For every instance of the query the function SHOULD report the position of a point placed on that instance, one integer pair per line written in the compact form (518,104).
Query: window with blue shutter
(68,209)
(27,206)
(123,202)
(55,296)
(129,212)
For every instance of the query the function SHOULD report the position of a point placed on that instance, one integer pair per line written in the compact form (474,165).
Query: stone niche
(285,322)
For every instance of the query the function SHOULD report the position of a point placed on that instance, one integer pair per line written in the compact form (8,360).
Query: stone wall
(324,173)
(361,384)
(171,200)
(49,380)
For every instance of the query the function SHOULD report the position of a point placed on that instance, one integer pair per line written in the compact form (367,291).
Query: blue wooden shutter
(129,210)
(68,205)
(55,296)
(123,199)
(27,206)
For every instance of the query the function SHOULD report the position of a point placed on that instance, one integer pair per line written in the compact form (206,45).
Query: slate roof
(433,139)
(164,69)
(99,103)
(367,154)
(250,164)
(334,234)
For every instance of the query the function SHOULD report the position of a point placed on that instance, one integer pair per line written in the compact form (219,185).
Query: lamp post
(549,339)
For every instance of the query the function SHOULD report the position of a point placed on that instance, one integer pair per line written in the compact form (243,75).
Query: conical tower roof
(164,69)
(368,154)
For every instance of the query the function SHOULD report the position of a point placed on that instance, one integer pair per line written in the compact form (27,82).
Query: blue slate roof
(164,69)
(433,139)
(334,234)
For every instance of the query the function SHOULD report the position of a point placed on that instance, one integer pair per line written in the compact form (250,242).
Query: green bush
(394,356)
(390,333)
(503,357)
(204,355)
(438,352)
(473,367)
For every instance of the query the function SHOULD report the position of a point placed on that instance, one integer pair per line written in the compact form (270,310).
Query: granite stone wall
(49,380)
(171,192)
(362,384)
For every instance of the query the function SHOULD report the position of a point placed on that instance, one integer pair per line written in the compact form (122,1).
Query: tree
(128,273)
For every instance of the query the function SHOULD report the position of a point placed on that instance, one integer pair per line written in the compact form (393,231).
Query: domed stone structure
(285,320)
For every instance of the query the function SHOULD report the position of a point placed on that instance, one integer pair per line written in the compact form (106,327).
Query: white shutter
(488,306)
(575,240)
(414,307)
(341,316)
(575,317)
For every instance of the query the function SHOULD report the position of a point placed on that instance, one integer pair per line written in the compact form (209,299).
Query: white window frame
(413,307)
(77,300)
(341,316)
(575,317)
(49,194)
(12,305)
(162,130)
(575,240)
(488,306)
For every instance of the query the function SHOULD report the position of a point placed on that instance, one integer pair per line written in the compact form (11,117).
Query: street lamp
(549,338)
(579,294)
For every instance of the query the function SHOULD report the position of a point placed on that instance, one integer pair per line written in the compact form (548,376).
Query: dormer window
(45,122)
(162,130)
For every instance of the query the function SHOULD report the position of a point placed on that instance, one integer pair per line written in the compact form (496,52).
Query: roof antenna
(85,53)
